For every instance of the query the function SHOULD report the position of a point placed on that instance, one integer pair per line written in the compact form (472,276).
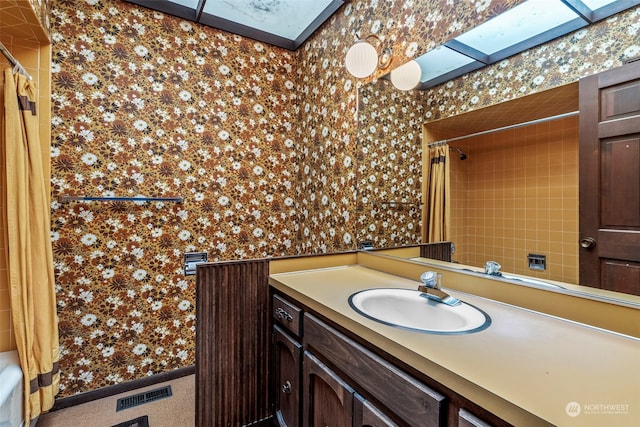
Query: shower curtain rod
(17,66)
(517,125)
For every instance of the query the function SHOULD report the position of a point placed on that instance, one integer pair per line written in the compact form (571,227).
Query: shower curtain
(27,234)
(435,193)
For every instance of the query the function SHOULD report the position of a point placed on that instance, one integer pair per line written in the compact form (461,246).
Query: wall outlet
(366,245)
(537,262)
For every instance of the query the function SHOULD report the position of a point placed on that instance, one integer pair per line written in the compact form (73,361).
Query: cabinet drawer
(287,315)
(410,400)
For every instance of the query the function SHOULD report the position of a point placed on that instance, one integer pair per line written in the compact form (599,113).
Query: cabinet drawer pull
(282,314)
(286,387)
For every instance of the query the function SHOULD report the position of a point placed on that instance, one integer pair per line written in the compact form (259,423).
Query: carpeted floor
(178,410)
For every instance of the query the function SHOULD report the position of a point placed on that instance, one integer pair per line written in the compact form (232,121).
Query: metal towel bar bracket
(67,199)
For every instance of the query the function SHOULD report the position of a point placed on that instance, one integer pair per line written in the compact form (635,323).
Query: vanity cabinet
(326,378)
(288,360)
(330,401)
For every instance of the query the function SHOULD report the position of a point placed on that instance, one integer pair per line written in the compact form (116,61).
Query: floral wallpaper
(147,104)
(389,165)
(591,50)
(262,143)
(41,8)
(328,185)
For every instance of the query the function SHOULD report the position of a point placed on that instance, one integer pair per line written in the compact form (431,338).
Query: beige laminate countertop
(527,367)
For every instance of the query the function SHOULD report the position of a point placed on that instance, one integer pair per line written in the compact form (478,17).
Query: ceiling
(283,23)
(541,105)
(289,23)
(18,23)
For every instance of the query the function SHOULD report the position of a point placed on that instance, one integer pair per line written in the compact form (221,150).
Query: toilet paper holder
(191,260)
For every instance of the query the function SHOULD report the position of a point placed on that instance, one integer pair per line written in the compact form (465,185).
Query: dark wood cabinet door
(610,180)
(328,400)
(466,419)
(288,365)
(367,415)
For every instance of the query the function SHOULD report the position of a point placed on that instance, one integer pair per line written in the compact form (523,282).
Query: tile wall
(517,193)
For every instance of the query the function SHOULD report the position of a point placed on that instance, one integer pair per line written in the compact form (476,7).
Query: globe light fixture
(366,56)
(407,76)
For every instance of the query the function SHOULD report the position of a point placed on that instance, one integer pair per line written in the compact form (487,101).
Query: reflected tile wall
(518,194)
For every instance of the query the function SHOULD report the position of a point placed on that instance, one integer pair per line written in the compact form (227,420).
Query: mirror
(528,207)
(389,165)
(412,253)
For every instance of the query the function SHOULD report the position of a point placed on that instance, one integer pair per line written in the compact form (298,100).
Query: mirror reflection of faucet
(492,268)
(432,289)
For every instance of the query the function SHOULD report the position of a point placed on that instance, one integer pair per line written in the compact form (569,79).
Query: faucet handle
(430,279)
(492,268)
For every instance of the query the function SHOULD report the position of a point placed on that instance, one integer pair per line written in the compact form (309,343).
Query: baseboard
(78,399)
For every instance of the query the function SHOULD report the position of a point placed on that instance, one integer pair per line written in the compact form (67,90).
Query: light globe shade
(362,59)
(407,76)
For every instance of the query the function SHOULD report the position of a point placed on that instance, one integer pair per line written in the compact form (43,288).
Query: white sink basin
(409,309)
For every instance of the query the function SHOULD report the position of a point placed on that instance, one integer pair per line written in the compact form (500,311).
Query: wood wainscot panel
(439,250)
(232,343)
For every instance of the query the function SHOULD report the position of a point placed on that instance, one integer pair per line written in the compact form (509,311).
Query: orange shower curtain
(435,193)
(26,201)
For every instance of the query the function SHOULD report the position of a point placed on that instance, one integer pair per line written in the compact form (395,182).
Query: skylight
(437,64)
(284,23)
(525,21)
(520,28)
(286,19)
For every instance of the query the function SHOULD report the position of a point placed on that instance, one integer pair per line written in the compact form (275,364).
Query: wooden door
(288,361)
(327,399)
(610,180)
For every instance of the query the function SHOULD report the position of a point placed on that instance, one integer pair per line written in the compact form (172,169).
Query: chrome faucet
(492,268)
(432,288)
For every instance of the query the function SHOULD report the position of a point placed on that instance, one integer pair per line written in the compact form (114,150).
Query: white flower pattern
(260,141)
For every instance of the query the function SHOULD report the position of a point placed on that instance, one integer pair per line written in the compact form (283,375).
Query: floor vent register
(142,398)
